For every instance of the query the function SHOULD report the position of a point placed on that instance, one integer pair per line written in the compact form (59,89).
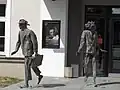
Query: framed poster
(51,34)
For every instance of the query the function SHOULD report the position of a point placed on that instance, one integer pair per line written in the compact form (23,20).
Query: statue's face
(93,26)
(22,26)
(87,25)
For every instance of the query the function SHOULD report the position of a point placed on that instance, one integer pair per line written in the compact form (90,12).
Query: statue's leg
(86,67)
(29,68)
(28,75)
(37,72)
(94,69)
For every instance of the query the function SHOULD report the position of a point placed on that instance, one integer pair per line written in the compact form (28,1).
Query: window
(2,35)
(2,27)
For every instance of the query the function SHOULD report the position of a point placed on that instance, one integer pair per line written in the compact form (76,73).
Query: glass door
(97,14)
(115,45)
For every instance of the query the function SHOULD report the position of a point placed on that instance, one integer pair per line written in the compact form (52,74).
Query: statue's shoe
(85,79)
(40,78)
(24,86)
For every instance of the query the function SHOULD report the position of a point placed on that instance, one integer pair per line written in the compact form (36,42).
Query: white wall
(29,10)
(35,11)
(53,63)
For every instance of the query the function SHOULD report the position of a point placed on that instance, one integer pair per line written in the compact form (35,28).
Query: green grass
(6,81)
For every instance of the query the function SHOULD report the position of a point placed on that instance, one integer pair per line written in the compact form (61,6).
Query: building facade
(69,17)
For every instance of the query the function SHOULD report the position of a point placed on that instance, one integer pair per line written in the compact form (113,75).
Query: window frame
(7,20)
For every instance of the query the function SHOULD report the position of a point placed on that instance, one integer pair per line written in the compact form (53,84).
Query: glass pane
(2,40)
(116,53)
(116,33)
(116,64)
(2,9)
(2,28)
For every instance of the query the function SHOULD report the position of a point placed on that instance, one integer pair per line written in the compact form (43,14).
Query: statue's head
(87,25)
(90,25)
(23,24)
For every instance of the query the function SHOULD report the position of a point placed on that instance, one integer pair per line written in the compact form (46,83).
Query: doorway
(108,26)
(114,44)
(98,15)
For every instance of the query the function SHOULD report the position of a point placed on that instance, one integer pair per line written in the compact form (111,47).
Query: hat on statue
(23,21)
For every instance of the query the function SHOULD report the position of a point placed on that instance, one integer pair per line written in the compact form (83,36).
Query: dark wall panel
(74,30)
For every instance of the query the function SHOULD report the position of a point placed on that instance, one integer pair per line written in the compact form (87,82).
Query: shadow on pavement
(49,85)
(108,83)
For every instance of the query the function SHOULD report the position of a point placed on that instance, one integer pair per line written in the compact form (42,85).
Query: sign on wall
(115,10)
(51,34)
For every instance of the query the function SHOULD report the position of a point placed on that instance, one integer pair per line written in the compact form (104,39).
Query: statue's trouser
(88,59)
(28,66)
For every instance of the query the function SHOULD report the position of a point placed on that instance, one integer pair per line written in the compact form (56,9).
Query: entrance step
(113,75)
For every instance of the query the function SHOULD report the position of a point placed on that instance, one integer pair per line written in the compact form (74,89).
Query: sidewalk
(52,83)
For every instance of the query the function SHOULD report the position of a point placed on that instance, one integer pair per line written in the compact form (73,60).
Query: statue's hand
(77,53)
(35,54)
(103,50)
(13,52)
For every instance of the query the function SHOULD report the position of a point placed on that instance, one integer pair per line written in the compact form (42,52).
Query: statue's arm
(82,41)
(34,41)
(18,43)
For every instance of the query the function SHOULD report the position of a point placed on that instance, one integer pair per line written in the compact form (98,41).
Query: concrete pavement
(52,83)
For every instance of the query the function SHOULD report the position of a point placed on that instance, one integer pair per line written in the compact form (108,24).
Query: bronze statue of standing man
(89,39)
(29,45)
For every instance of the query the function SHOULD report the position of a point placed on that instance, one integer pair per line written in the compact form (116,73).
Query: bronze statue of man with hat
(29,45)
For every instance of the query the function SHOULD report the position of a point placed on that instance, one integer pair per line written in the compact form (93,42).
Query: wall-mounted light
(53,0)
